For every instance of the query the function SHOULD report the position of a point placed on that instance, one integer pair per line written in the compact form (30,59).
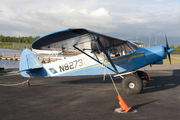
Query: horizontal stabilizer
(13,72)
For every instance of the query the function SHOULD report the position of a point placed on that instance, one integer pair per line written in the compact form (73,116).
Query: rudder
(28,61)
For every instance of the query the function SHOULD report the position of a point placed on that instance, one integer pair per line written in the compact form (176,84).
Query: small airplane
(94,54)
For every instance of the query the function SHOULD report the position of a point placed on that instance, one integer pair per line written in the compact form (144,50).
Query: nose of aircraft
(168,49)
(155,54)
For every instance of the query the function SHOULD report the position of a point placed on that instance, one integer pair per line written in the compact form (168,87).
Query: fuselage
(83,65)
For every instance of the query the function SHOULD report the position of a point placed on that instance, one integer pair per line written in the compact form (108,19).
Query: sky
(124,19)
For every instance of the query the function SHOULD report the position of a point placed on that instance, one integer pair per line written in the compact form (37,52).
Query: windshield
(132,45)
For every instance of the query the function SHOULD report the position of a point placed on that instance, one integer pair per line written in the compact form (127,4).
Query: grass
(2,72)
(173,61)
(175,55)
(5,71)
(7,45)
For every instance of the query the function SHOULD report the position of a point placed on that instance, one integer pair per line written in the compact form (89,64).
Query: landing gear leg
(28,82)
(144,77)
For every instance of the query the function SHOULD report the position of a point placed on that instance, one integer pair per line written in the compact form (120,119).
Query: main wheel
(131,84)
(144,77)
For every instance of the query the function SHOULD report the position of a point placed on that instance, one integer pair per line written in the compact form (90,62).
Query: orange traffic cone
(149,76)
(124,107)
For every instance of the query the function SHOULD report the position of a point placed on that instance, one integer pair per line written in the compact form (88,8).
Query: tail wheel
(131,84)
(144,77)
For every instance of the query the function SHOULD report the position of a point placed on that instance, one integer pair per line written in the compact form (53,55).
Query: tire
(144,77)
(132,84)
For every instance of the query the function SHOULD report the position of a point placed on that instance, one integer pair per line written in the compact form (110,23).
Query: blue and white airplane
(97,55)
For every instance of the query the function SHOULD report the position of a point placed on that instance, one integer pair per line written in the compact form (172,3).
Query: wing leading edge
(62,40)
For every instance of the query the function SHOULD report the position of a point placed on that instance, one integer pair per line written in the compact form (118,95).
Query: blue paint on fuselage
(140,58)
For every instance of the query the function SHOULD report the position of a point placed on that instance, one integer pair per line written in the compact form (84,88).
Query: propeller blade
(169,58)
(167,48)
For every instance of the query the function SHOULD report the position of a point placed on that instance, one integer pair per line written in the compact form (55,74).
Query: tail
(28,63)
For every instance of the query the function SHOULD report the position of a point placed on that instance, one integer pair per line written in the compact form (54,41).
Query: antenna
(156,40)
(137,38)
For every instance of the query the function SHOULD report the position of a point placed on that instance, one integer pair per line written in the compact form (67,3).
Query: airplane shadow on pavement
(160,80)
(163,81)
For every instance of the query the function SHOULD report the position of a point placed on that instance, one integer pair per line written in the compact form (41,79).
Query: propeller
(167,48)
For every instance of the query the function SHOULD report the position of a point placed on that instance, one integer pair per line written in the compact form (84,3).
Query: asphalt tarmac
(90,98)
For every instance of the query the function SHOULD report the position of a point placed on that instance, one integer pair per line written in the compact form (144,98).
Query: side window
(119,50)
(114,48)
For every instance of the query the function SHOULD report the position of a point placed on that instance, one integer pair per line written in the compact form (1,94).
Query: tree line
(27,40)
(176,48)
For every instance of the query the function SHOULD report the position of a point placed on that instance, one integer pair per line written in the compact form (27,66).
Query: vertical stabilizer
(28,61)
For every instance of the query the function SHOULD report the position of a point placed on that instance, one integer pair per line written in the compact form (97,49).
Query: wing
(64,40)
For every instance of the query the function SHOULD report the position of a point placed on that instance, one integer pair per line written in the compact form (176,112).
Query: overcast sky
(117,18)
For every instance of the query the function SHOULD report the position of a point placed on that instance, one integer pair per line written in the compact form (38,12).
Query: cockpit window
(114,48)
(119,50)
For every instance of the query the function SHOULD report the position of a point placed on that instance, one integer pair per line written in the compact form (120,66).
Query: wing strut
(104,50)
(93,58)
